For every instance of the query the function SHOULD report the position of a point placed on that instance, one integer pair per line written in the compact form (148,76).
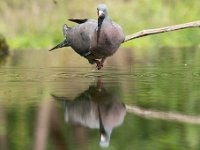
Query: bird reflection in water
(96,108)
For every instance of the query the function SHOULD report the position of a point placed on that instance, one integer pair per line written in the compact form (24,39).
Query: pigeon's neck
(102,21)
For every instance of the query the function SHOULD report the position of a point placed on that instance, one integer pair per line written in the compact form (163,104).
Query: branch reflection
(168,116)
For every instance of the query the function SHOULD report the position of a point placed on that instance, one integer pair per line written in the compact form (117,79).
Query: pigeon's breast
(109,40)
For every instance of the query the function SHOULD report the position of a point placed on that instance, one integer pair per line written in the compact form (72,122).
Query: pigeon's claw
(99,64)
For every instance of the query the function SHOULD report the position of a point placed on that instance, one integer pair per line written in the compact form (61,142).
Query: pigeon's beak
(101,14)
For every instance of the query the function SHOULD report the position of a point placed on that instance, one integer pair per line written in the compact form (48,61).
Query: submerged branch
(169,116)
(162,30)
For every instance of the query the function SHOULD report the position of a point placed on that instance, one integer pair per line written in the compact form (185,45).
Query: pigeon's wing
(79,21)
(65,30)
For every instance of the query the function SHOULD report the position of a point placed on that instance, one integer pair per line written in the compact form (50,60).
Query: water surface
(139,100)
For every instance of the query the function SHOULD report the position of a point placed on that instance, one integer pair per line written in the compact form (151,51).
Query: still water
(142,99)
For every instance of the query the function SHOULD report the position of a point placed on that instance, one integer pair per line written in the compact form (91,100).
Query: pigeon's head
(102,11)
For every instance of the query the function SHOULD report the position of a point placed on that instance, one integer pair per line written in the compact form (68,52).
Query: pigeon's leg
(99,63)
(99,66)
(92,60)
(102,61)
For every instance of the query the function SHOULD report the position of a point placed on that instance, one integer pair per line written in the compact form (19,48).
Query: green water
(56,100)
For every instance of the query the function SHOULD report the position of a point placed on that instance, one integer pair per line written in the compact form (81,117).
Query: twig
(162,30)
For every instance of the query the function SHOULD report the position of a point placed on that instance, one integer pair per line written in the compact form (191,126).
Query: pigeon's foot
(99,64)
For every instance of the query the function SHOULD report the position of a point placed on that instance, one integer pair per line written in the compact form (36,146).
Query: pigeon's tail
(64,43)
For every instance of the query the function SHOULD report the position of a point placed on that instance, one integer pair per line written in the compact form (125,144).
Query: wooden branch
(162,30)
